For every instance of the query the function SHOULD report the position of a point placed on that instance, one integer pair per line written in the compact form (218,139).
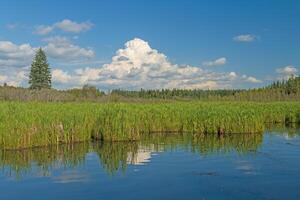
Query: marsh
(163,166)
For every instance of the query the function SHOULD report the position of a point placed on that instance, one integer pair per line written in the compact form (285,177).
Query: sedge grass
(24,125)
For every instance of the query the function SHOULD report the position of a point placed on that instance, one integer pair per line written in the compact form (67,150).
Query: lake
(163,166)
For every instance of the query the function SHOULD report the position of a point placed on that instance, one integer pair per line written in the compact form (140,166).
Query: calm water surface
(254,166)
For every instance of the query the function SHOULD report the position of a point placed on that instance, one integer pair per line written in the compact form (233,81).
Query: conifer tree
(40,75)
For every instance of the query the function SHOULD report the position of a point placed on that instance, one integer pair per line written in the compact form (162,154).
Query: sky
(133,44)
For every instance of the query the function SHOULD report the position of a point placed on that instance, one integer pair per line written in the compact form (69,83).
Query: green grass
(24,125)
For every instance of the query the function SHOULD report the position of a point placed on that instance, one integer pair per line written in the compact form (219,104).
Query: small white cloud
(62,48)
(245,38)
(14,77)
(211,85)
(65,25)
(13,55)
(233,75)
(217,62)
(72,26)
(59,76)
(252,79)
(12,26)
(43,30)
(57,40)
(286,72)
(87,74)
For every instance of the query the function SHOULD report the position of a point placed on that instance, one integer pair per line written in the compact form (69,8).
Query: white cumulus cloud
(65,25)
(87,75)
(63,49)
(217,62)
(137,65)
(43,30)
(13,55)
(245,38)
(287,71)
(59,76)
(252,79)
(72,26)
(15,77)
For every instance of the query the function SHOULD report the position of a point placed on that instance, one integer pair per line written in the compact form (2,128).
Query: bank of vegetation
(285,90)
(32,124)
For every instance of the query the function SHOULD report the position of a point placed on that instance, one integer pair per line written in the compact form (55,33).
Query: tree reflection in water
(116,156)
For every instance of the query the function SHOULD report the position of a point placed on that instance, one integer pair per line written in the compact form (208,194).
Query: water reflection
(289,132)
(71,176)
(117,156)
(19,163)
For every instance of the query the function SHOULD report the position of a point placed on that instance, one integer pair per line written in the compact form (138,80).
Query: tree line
(40,89)
(278,91)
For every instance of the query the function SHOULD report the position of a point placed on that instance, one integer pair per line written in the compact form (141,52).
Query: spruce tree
(40,75)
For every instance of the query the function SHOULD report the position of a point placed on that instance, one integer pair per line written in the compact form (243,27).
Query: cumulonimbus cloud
(137,65)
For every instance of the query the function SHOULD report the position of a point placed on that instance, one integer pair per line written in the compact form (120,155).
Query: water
(254,166)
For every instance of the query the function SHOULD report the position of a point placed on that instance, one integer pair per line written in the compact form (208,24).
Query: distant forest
(286,90)
(277,91)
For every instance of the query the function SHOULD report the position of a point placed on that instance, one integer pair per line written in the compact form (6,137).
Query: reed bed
(33,124)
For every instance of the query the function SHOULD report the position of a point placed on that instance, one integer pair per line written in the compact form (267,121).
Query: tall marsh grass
(34,124)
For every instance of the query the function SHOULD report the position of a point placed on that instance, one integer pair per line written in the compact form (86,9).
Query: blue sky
(162,44)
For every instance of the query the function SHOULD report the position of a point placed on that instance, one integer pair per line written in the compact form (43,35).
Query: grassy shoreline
(31,124)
